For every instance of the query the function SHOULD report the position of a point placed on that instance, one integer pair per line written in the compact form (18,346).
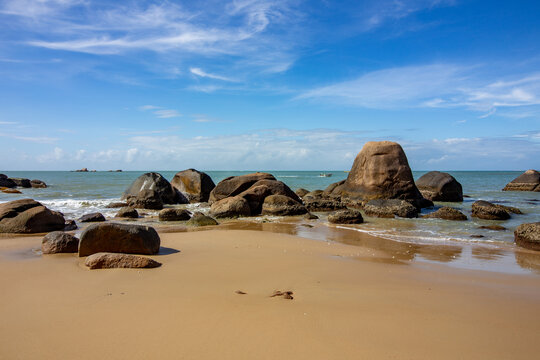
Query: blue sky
(274,85)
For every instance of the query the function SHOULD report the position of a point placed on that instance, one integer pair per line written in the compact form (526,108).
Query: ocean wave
(78,207)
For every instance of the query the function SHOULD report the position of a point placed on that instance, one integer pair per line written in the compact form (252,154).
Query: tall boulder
(194,185)
(157,186)
(440,186)
(29,216)
(528,181)
(380,171)
(234,185)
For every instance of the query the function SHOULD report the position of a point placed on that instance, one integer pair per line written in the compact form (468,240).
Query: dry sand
(344,306)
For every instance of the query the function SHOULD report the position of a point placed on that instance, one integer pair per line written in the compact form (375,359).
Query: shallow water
(75,194)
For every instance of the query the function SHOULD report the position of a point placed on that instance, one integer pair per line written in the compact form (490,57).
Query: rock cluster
(20,182)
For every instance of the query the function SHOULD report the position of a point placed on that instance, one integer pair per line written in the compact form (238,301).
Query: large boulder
(38,184)
(59,242)
(234,185)
(256,194)
(280,205)
(199,219)
(29,216)
(388,208)
(346,217)
(146,199)
(440,186)
(380,171)
(230,207)
(119,238)
(301,192)
(488,211)
(21,182)
(158,186)
(6,182)
(194,185)
(171,214)
(334,188)
(447,213)
(528,235)
(528,181)
(104,260)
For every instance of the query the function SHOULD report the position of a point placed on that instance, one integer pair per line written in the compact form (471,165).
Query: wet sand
(350,302)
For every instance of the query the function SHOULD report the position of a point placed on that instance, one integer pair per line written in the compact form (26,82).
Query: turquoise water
(77,193)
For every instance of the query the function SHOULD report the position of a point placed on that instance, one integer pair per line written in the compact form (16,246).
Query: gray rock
(93,217)
(127,212)
(59,242)
(104,260)
(119,238)
(440,186)
(158,186)
(174,215)
(146,199)
(447,213)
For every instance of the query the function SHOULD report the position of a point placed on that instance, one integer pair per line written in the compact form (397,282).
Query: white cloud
(201,73)
(160,112)
(34,139)
(8,123)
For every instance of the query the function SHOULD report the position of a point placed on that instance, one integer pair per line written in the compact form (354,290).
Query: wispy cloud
(432,86)
(34,139)
(161,112)
(8,123)
(202,73)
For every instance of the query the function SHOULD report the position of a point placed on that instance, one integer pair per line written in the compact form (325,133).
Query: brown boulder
(6,182)
(485,210)
(301,192)
(93,217)
(333,189)
(174,215)
(256,194)
(388,208)
(10,191)
(28,216)
(440,186)
(104,260)
(234,185)
(119,238)
(528,235)
(146,199)
(528,181)
(194,185)
(324,204)
(280,205)
(230,207)
(447,213)
(38,184)
(155,185)
(59,242)
(127,212)
(199,219)
(346,217)
(380,171)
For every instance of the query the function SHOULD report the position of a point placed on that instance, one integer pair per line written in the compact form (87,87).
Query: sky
(268,85)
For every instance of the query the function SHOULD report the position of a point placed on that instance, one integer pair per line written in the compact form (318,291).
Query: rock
(333,188)
(477,236)
(20,182)
(38,184)
(380,171)
(440,186)
(93,217)
(194,185)
(174,215)
(28,216)
(70,225)
(153,186)
(82,170)
(119,238)
(230,207)
(234,185)
(528,181)
(256,194)
(528,236)
(10,191)
(116,205)
(127,212)
(447,213)
(346,217)
(105,260)
(493,227)
(315,194)
(310,216)
(199,219)
(280,205)
(59,242)
(390,208)
(146,199)
(301,192)
(485,210)
(6,182)
(324,204)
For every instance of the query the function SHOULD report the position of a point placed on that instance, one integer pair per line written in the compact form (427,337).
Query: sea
(78,193)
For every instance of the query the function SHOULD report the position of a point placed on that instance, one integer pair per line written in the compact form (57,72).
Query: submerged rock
(104,260)
(93,217)
(199,219)
(194,185)
(38,184)
(485,210)
(528,181)
(28,216)
(324,204)
(440,186)
(21,182)
(528,236)
(119,238)
(388,208)
(174,215)
(59,242)
(346,217)
(447,213)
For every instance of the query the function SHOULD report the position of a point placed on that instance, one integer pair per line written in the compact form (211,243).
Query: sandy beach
(345,306)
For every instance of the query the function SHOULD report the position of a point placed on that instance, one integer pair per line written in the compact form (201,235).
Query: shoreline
(344,305)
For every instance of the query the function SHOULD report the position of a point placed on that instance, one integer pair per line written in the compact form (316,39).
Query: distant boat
(325,175)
